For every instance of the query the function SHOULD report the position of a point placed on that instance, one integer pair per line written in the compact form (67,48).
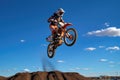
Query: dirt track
(52,75)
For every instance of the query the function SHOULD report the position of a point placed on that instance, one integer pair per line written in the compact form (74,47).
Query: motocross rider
(54,20)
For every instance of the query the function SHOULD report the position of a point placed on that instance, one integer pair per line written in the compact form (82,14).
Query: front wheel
(50,51)
(70,36)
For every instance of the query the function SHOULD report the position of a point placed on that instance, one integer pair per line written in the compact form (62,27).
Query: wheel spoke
(70,37)
(50,51)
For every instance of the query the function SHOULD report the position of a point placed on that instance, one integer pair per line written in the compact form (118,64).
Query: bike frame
(64,29)
(66,25)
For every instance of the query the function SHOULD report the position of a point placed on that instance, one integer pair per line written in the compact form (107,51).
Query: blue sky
(24,27)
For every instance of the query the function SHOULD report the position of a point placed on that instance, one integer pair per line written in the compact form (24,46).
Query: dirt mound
(53,75)
(3,78)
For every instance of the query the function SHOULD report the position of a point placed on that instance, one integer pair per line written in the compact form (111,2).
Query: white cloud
(14,69)
(90,49)
(86,69)
(43,45)
(107,24)
(77,68)
(60,61)
(118,63)
(9,70)
(111,62)
(26,70)
(111,32)
(72,69)
(112,65)
(101,46)
(113,48)
(103,60)
(22,40)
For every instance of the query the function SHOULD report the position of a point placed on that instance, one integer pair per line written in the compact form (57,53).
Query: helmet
(61,11)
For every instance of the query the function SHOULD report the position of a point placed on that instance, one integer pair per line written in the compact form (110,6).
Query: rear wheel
(70,36)
(50,51)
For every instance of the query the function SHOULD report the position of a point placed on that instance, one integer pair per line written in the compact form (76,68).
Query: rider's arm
(62,20)
(50,19)
(53,18)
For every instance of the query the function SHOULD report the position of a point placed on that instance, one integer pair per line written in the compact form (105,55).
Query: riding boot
(54,35)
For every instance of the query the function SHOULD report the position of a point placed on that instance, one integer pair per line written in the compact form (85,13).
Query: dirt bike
(67,36)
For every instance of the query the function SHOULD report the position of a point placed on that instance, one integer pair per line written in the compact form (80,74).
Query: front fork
(69,36)
(63,33)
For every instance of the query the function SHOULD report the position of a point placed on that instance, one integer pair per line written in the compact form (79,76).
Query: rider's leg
(54,30)
(62,32)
